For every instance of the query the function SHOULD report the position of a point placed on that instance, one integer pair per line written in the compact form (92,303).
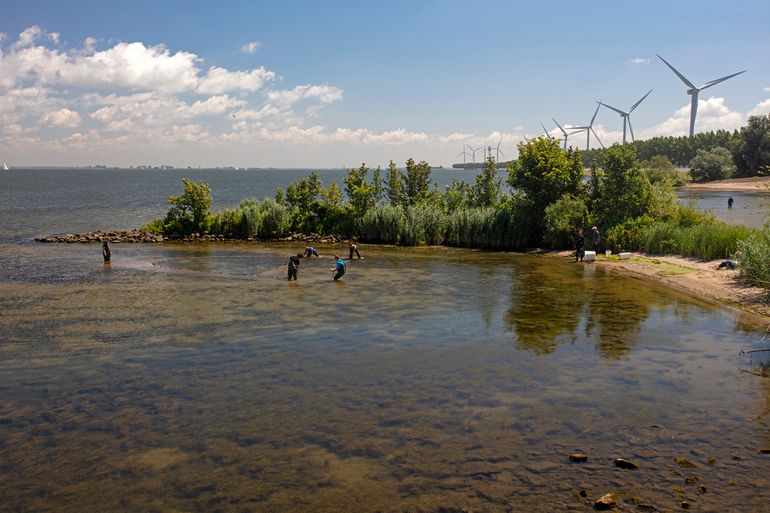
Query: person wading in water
(580,246)
(339,269)
(293,266)
(106,253)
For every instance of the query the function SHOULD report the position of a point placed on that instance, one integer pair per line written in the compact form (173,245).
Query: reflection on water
(195,378)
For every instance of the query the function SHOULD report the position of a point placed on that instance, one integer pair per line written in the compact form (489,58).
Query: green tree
(713,164)
(394,185)
(417,182)
(544,173)
(361,193)
(620,190)
(486,190)
(189,211)
(752,153)
(659,168)
(458,194)
(562,220)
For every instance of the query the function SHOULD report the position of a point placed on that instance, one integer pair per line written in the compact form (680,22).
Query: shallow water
(196,378)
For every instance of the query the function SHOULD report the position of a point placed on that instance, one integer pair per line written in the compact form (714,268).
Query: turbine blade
(640,101)
(501,152)
(593,118)
(560,128)
(715,82)
(597,138)
(681,77)
(546,131)
(613,108)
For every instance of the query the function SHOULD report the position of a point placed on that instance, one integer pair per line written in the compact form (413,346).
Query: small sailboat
(5,167)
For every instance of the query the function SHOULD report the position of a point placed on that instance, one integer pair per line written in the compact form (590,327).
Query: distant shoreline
(759,184)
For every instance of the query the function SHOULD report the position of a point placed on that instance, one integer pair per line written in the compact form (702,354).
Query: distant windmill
(525,138)
(499,151)
(588,129)
(473,152)
(566,135)
(693,91)
(627,115)
(463,153)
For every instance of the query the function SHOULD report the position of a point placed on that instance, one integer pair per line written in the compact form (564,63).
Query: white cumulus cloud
(713,114)
(251,47)
(220,80)
(639,60)
(287,97)
(761,109)
(61,117)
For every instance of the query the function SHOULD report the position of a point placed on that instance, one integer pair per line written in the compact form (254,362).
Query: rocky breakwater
(147,237)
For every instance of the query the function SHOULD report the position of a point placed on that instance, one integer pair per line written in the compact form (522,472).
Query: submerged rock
(625,464)
(765,450)
(684,462)
(578,457)
(606,502)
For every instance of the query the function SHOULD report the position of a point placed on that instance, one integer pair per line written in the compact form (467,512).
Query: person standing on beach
(354,249)
(339,269)
(294,266)
(730,202)
(106,253)
(580,245)
(595,238)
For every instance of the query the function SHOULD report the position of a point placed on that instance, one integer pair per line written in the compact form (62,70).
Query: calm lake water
(195,378)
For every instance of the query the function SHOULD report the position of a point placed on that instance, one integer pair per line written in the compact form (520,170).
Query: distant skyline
(309,84)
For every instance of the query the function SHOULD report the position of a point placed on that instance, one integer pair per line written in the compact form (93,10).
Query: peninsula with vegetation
(631,201)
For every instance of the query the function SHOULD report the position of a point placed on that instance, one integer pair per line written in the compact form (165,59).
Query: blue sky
(321,84)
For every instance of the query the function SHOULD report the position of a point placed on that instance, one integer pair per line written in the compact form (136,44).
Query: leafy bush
(754,252)
(624,236)
(708,241)
(562,220)
(713,164)
(189,211)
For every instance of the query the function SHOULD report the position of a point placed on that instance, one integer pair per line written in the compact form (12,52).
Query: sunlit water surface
(196,378)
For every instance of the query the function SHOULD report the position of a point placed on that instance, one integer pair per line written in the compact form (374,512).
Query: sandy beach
(753,184)
(696,278)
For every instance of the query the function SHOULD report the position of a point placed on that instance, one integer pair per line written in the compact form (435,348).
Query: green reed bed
(708,241)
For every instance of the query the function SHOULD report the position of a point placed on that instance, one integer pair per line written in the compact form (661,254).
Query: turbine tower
(473,152)
(627,115)
(693,91)
(463,153)
(563,132)
(588,129)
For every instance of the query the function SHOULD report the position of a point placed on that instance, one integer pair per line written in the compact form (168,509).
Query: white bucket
(608,252)
(625,255)
(589,256)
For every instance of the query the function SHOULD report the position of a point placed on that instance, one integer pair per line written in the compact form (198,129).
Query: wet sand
(696,278)
(753,184)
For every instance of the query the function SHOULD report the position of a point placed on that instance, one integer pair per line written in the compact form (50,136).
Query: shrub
(713,164)
(562,220)
(189,211)
(381,224)
(754,254)
(625,235)
(707,241)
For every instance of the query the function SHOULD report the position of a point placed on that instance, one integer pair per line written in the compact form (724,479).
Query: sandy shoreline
(696,278)
(753,184)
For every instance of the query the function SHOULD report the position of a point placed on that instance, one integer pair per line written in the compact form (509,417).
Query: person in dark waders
(339,270)
(580,246)
(294,266)
(106,253)
(354,249)
(730,202)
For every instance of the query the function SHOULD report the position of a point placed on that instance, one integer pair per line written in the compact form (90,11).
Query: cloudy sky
(326,84)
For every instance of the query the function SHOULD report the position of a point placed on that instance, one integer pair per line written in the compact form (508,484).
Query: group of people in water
(339,268)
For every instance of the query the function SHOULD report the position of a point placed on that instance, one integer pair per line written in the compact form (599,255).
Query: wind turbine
(588,129)
(473,151)
(562,131)
(463,153)
(499,151)
(627,115)
(693,91)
